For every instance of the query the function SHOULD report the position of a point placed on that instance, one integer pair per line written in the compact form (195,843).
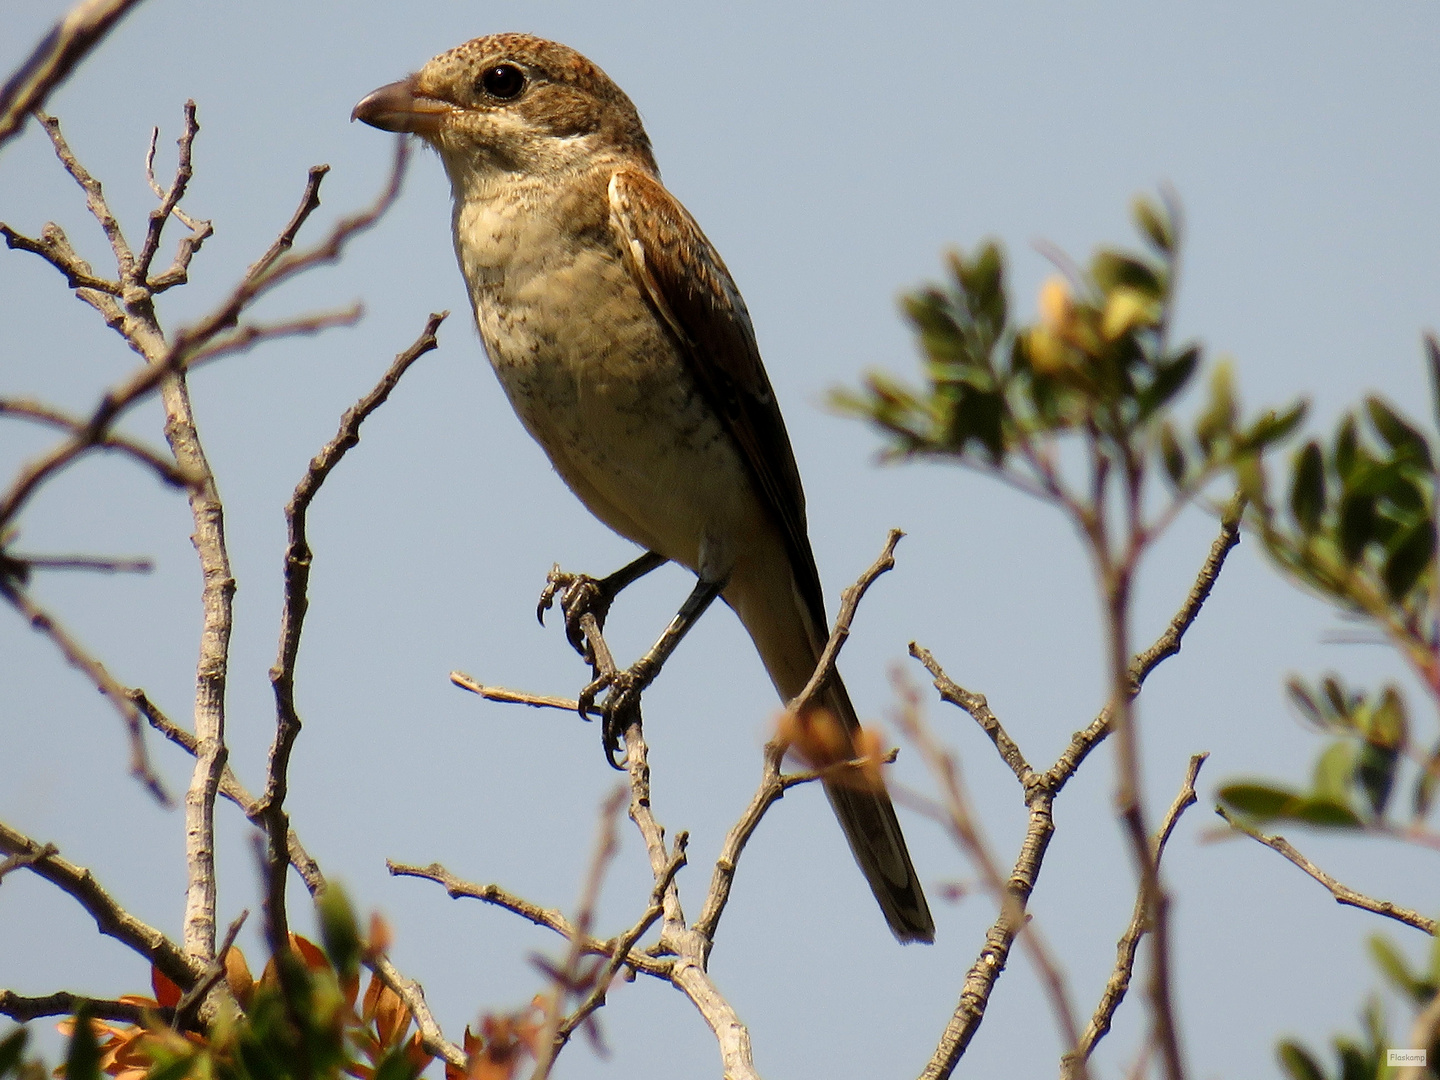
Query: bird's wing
(686,281)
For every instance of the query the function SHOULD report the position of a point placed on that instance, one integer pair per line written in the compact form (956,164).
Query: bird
(626,350)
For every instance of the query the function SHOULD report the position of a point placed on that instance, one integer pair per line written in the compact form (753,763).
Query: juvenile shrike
(627,352)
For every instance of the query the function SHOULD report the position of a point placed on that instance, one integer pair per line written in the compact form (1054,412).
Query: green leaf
(1171,376)
(82,1062)
(1172,454)
(395,1065)
(1113,269)
(1259,801)
(1359,524)
(339,931)
(1432,353)
(1271,427)
(1334,770)
(11,1049)
(980,415)
(1154,222)
(1218,419)
(1297,1062)
(1396,968)
(1389,724)
(1307,492)
(1303,700)
(1426,786)
(1397,432)
(1347,447)
(940,336)
(1325,814)
(1375,773)
(983,282)
(1412,552)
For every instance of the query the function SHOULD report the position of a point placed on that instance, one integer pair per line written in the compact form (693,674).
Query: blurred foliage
(304,1018)
(1097,366)
(1354,522)
(1352,519)
(1362,1059)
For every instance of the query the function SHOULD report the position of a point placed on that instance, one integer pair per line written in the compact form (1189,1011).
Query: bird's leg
(622,703)
(581,594)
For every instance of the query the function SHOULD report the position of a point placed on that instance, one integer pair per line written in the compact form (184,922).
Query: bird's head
(515,103)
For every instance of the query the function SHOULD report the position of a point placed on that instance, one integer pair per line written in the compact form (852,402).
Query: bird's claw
(579,595)
(618,711)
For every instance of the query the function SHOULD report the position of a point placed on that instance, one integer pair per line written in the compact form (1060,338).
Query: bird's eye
(503,81)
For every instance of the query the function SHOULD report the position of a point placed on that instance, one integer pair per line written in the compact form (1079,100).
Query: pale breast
(598,381)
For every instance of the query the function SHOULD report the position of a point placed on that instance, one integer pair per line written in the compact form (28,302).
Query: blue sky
(832,158)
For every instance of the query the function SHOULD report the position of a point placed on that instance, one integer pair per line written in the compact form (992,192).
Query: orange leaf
(380,935)
(372,997)
(311,953)
(392,1018)
(166,992)
(417,1055)
(237,975)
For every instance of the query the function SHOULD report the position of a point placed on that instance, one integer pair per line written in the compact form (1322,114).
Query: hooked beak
(401,107)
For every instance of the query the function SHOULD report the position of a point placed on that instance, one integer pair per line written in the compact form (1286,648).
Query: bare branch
(515,697)
(568,978)
(54,247)
(110,918)
(248,335)
(849,601)
(1129,944)
(550,918)
(24,1009)
(232,789)
(1168,643)
(189,1004)
(1343,894)
(960,820)
(411,993)
(298,558)
(979,710)
(1039,797)
(94,197)
(18,862)
(165,468)
(170,200)
(50,63)
(77,657)
(620,952)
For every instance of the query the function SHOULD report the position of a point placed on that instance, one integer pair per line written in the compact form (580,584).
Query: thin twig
(81,562)
(232,789)
(1129,944)
(1342,893)
(24,1009)
(110,918)
(18,862)
(81,29)
(515,697)
(411,993)
(1041,789)
(620,951)
(568,978)
(165,468)
(960,820)
(77,657)
(549,918)
(849,600)
(298,559)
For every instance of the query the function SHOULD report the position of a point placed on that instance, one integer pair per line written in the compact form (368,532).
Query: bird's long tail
(769,604)
(868,818)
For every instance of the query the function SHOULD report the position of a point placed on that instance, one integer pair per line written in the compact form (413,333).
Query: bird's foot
(579,595)
(621,706)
